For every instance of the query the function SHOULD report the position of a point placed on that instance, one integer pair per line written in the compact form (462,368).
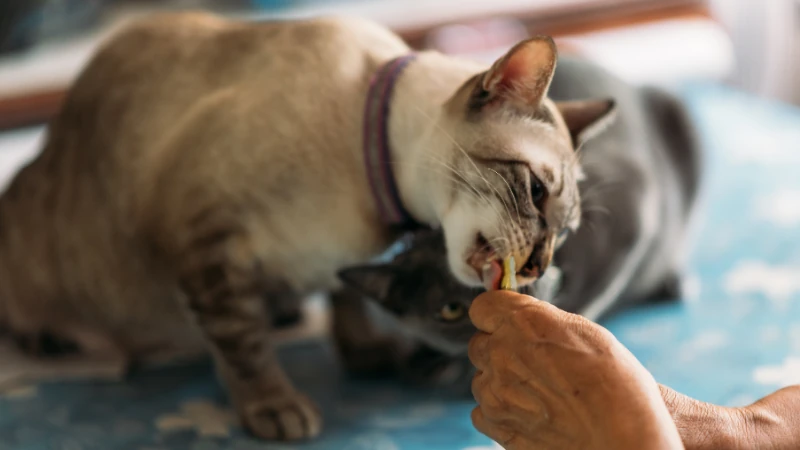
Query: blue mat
(734,339)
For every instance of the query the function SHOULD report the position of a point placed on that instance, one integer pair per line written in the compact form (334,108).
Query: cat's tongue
(492,274)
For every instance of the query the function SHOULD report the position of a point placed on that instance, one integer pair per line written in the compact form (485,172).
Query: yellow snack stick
(509,280)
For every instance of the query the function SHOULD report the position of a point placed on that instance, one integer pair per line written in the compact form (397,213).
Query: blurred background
(752,44)
(736,63)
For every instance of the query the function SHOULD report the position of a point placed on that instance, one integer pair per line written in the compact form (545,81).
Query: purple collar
(377,154)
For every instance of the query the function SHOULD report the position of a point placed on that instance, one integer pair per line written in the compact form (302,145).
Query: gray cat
(642,178)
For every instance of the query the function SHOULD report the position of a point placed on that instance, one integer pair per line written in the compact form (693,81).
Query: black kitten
(417,289)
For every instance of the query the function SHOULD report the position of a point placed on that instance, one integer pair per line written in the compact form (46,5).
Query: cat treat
(509,281)
(500,275)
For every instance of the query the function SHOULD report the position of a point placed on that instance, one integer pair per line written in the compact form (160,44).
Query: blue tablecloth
(735,338)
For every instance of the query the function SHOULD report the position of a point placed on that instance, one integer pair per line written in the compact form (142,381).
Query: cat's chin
(484,262)
(468,248)
(477,271)
(466,274)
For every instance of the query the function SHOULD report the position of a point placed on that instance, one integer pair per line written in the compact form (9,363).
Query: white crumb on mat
(203,416)
(18,370)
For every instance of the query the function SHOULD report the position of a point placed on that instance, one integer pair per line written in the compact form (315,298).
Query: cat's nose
(539,259)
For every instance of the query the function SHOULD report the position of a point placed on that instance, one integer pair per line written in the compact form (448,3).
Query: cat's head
(512,164)
(417,288)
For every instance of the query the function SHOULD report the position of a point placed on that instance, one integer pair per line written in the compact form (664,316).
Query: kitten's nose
(539,259)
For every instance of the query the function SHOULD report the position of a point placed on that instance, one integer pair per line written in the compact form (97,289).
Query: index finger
(490,309)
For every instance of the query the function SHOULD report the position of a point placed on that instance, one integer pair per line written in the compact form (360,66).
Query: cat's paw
(287,417)
(430,368)
(376,359)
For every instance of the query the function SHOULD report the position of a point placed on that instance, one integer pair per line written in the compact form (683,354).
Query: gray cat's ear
(586,119)
(523,75)
(371,281)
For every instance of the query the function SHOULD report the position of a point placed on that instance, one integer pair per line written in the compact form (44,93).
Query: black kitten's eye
(538,191)
(452,312)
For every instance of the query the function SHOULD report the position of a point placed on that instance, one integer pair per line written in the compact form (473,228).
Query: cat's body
(642,178)
(209,169)
(638,198)
(146,152)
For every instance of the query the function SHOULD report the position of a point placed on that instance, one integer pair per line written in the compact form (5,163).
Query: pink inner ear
(525,72)
(521,67)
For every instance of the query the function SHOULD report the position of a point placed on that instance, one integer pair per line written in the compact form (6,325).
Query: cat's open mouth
(485,261)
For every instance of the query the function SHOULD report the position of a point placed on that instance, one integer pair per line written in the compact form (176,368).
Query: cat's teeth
(492,272)
(487,276)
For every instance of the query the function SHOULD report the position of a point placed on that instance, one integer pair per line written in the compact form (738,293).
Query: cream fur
(194,150)
(185,113)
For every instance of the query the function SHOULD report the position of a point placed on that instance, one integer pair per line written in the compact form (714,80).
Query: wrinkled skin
(554,380)
(551,379)
(771,423)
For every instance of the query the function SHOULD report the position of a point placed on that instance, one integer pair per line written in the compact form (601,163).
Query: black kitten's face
(418,289)
(433,306)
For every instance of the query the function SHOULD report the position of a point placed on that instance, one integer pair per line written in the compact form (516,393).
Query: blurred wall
(766,38)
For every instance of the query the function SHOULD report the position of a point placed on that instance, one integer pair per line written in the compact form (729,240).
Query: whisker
(469,158)
(457,181)
(476,190)
(461,181)
(510,191)
(499,248)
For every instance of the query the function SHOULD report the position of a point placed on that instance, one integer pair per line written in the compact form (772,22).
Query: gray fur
(642,177)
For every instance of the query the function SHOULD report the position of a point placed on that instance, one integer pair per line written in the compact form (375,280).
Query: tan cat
(220,165)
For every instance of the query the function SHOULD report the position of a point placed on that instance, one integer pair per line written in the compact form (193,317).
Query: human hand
(774,421)
(705,426)
(548,379)
(770,423)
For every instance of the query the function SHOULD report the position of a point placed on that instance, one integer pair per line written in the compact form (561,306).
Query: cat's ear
(586,119)
(522,76)
(371,281)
